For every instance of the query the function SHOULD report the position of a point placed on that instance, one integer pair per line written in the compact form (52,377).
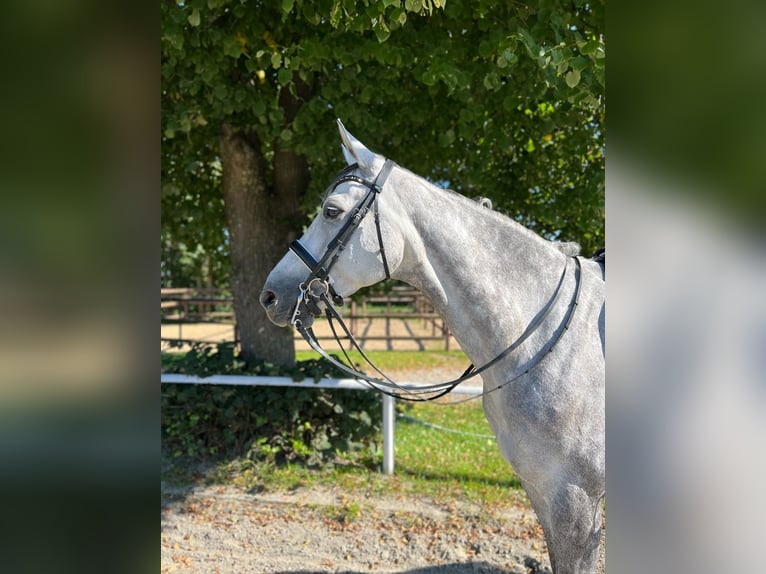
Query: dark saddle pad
(600,256)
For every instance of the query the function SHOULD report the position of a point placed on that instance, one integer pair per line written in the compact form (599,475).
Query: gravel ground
(223,530)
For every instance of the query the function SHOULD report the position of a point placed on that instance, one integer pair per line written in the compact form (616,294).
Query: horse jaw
(356,152)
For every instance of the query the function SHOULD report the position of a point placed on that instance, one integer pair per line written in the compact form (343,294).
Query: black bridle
(317,283)
(317,289)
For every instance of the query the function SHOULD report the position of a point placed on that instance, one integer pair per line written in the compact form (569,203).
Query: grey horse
(489,278)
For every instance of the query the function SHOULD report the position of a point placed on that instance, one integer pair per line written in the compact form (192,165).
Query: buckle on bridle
(311,295)
(295,319)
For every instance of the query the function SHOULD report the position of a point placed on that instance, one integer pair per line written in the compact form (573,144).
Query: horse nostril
(268,298)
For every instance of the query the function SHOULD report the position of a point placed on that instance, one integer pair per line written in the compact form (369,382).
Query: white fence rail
(389,410)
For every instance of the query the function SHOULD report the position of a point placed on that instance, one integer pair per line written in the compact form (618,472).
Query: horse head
(351,243)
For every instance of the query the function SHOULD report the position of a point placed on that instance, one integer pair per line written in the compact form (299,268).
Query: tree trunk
(259,226)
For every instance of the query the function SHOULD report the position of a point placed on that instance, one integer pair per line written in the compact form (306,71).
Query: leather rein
(317,291)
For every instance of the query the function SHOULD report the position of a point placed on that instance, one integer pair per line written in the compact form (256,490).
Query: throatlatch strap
(380,241)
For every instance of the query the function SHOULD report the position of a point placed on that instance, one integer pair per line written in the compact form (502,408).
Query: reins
(417,393)
(317,289)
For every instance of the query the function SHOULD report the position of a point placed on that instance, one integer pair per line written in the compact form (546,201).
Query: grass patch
(429,462)
(469,462)
(405,360)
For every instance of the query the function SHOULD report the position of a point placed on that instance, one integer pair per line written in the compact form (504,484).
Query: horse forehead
(345,192)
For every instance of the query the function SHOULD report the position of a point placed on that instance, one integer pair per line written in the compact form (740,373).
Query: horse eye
(331,212)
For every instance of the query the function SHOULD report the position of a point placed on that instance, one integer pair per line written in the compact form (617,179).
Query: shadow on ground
(455,568)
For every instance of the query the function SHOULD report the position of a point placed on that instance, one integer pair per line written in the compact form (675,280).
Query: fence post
(389,420)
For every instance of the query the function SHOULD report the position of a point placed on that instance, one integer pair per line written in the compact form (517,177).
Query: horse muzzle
(274,307)
(310,303)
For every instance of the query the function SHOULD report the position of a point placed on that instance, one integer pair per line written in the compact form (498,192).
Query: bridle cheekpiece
(317,286)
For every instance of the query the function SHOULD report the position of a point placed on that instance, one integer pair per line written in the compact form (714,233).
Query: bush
(314,426)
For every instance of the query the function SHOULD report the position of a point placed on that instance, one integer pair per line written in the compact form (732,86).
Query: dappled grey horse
(500,288)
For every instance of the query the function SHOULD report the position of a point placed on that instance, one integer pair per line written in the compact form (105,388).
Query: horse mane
(483,201)
(571,248)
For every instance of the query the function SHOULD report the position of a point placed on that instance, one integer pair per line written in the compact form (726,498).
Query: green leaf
(287,6)
(259,108)
(492,81)
(335,14)
(510,103)
(194,18)
(579,63)
(220,92)
(590,47)
(399,16)
(276,59)
(572,78)
(485,48)
(284,76)
(510,56)
(231,47)
(381,31)
(529,43)
(447,138)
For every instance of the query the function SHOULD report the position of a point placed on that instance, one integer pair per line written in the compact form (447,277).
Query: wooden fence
(403,314)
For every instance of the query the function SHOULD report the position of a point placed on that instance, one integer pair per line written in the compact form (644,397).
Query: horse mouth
(304,318)
(286,317)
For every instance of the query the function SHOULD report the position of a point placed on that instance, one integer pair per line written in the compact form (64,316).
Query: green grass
(428,462)
(404,360)
(470,460)
(443,465)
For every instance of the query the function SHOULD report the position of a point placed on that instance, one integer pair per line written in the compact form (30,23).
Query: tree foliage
(194,243)
(501,99)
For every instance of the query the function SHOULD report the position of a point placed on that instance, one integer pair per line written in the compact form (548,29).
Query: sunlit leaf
(572,78)
(194,18)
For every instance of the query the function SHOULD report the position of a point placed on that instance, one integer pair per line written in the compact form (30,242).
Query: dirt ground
(223,530)
(416,335)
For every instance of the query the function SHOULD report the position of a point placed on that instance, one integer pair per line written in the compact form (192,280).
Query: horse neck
(485,274)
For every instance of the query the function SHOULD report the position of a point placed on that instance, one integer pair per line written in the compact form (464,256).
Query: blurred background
(79,181)
(686,320)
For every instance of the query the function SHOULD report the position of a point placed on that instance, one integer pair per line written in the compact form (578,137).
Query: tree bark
(259,220)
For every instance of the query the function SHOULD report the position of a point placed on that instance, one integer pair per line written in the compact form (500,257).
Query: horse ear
(356,152)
